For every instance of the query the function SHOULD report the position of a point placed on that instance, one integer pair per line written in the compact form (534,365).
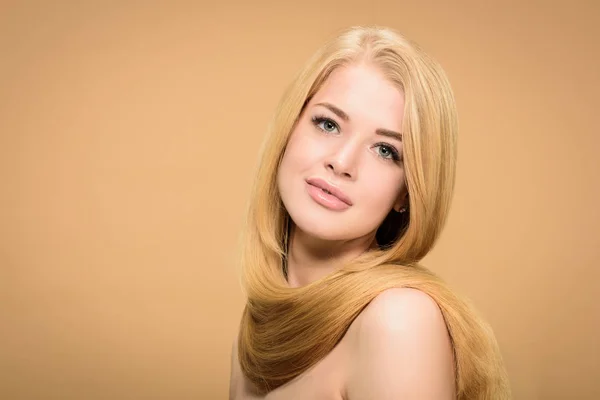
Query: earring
(403,209)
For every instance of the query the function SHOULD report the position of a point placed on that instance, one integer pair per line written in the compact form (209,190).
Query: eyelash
(318,119)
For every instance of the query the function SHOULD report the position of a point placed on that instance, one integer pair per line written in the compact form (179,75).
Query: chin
(325,234)
(324,227)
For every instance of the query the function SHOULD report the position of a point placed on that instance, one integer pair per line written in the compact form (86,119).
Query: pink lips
(327,195)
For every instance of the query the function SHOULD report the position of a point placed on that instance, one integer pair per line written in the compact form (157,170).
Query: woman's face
(346,141)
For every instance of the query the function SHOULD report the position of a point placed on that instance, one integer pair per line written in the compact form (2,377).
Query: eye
(325,124)
(387,152)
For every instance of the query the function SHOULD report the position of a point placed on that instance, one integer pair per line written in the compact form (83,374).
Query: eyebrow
(380,131)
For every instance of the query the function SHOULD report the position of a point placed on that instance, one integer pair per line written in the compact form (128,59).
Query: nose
(343,161)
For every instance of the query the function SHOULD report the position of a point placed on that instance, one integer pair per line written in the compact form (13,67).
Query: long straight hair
(284,330)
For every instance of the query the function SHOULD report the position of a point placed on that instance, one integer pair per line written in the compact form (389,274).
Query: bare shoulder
(401,349)
(410,311)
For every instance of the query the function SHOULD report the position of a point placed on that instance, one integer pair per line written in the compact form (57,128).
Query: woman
(353,190)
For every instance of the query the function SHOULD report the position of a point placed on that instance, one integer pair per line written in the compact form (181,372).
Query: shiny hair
(284,330)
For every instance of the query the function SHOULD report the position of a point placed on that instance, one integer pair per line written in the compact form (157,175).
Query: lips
(329,188)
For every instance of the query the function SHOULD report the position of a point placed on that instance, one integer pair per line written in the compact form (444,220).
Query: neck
(310,259)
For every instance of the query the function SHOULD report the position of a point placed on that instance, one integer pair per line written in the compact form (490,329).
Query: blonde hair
(284,330)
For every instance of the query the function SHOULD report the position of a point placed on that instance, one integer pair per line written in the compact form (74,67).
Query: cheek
(383,189)
(301,153)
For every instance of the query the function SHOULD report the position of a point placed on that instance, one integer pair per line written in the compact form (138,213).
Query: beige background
(128,134)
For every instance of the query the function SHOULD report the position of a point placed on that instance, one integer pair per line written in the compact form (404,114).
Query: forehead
(363,92)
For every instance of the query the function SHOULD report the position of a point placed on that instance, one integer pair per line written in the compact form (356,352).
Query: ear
(401,202)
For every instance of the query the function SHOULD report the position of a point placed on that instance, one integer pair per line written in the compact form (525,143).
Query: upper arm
(401,349)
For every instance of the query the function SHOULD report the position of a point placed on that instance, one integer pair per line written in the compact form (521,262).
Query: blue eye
(325,124)
(387,152)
